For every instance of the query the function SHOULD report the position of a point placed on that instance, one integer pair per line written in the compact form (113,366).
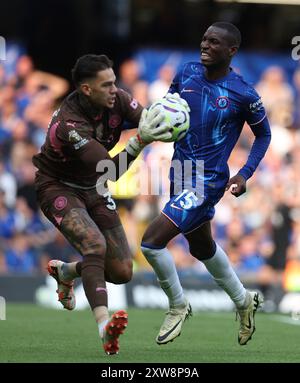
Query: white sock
(163,264)
(219,267)
(101,327)
(69,271)
(101,317)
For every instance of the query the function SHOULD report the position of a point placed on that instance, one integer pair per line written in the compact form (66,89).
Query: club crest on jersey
(114,121)
(60,202)
(222,102)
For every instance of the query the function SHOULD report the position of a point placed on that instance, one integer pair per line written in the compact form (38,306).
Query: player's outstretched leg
(172,325)
(113,329)
(65,288)
(254,300)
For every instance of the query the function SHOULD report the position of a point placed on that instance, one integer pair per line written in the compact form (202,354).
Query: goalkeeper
(87,125)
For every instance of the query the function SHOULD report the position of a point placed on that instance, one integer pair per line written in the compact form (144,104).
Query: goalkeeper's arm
(148,131)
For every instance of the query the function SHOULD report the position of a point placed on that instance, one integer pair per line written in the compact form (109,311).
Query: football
(176,115)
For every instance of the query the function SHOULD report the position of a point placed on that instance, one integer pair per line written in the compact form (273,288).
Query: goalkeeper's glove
(176,98)
(149,130)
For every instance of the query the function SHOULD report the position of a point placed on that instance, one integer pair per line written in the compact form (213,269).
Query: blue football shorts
(188,211)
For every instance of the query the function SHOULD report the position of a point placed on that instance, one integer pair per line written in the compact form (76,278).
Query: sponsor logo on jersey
(255,106)
(134,104)
(185,90)
(74,136)
(76,139)
(222,102)
(80,144)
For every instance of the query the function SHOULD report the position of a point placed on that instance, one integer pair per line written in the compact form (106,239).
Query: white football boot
(246,316)
(65,290)
(171,327)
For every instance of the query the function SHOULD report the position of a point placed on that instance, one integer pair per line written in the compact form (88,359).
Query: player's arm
(262,133)
(76,143)
(79,145)
(259,124)
(148,130)
(90,152)
(94,157)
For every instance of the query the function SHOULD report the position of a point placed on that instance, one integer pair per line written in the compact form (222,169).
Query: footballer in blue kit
(220,102)
(219,109)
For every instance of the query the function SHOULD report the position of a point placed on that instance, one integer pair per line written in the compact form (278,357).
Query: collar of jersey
(221,79)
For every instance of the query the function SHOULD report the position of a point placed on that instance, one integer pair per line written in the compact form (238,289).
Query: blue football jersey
(219,110)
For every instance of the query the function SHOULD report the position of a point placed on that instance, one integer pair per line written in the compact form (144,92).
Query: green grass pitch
(34,334)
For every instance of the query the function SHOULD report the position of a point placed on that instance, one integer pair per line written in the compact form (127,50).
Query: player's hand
(149,129)
(236,185)
(176,97)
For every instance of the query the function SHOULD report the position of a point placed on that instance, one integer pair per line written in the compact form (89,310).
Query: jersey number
(111,205)
(186,199)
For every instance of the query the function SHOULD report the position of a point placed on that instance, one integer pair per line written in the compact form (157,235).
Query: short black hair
(87,67)
(234,34)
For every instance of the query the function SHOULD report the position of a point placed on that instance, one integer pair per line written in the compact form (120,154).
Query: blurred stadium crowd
(260,231)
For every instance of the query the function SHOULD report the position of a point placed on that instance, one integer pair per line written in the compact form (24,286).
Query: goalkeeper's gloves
(176,98)
(149,130)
